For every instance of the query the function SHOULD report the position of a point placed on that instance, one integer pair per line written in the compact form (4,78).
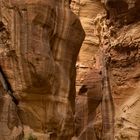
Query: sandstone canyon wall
(40,41)
(117,30)
(39,45)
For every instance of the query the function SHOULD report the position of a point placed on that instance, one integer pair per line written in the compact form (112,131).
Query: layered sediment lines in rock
(40,42)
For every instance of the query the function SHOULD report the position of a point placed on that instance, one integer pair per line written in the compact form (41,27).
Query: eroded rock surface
(117,30)
(89,98)
(39,44)
(40,41)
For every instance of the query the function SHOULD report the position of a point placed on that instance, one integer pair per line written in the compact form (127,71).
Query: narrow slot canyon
(69,70)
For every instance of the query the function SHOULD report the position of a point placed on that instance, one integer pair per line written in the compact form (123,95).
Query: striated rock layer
(40,41)
(117,31)
(39,44)
(87,10)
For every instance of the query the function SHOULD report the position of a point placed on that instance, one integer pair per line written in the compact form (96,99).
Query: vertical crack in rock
(10,124)
(7,87)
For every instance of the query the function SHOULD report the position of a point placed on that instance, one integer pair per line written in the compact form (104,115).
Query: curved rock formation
(40,41)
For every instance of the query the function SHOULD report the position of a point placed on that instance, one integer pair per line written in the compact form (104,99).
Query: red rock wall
(41,41)
(119,31)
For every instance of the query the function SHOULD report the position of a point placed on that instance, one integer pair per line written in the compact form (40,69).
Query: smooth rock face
(40,41)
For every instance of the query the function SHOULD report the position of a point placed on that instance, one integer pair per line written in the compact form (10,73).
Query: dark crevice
(6,85)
